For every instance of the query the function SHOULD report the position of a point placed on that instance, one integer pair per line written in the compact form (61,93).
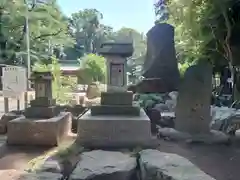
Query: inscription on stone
(117,74)
(40,90)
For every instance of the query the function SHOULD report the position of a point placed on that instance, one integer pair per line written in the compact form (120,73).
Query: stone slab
(43,102)
(115,131)
(48,132)
(156,165)
(117,110)
(116,98)
(105,165)
(13,174)
(41,112)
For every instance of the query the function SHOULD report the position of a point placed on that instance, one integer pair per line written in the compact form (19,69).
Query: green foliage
(203,29)
(94,67)
(59,90)
(183,67)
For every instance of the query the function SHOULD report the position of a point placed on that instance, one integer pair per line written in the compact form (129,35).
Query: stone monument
(194,100)
(193,109)
(116,122)
(160,68)
(42,123)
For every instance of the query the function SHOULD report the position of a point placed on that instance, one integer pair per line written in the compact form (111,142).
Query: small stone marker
(43,106)
(193,103)
(43,123)
(116,123)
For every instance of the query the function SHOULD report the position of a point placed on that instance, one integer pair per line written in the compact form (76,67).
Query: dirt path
(12,157)
(17,157)
(220,161)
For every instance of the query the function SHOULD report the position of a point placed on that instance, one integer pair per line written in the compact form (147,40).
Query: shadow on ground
(219,161)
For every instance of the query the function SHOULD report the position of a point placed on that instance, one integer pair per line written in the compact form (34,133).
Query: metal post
(28,56)
(6,105)
(18,105)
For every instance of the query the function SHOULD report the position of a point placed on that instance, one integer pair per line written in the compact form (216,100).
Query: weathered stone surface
(51,165)
(92,102)
(96,165)
(41,112)
(153,85)
(43,102)
(5,119)
(114,131)
(49,132)
(116,98)
(213,137)
(194,100)
(21,175)
(156,165)
(161,61)
(118,110)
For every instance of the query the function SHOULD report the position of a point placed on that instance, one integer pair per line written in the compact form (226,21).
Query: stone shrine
(116,122)
(43,124)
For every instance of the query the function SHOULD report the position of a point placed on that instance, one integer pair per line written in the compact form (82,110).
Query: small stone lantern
(117,100)
(43,84)
(116,62)
(43,106)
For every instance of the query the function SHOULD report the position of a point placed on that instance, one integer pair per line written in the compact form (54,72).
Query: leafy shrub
(94,68)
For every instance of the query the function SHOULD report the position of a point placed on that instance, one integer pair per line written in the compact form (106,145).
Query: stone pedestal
(113,131)
(48,132)
(42,107)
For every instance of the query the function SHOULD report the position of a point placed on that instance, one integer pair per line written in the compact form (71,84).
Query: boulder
(13,174)
(161,107)
(213,137)
(108,165)
(165,166)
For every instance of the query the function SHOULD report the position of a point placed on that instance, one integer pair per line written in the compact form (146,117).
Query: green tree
(59,86)
(94,67)
(46,23)
(87,29)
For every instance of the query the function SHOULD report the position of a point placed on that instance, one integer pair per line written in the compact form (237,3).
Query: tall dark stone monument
(161,67)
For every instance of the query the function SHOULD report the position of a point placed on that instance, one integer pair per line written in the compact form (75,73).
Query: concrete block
(114,131)
(48,132)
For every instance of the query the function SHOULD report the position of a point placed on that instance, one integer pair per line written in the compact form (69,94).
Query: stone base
(117,98)
(48,132)
(117,110)
(115,131)
(41,112)
(43,102)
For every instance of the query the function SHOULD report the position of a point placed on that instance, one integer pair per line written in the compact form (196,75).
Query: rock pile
(114,165)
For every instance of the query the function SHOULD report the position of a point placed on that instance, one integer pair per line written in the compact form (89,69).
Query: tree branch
(46,35)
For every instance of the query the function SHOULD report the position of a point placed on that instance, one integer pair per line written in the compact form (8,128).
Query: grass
(59,153)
